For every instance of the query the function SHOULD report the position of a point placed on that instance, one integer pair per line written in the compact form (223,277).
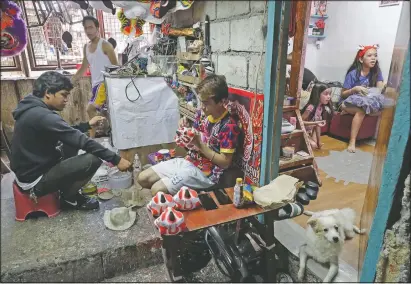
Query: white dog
(325,236)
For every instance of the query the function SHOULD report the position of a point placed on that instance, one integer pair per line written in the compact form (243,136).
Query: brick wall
(236,38)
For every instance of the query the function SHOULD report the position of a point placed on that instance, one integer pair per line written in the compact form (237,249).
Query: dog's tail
(308,213)
(358,230)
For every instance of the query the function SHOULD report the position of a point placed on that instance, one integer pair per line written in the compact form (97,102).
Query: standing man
(98,53)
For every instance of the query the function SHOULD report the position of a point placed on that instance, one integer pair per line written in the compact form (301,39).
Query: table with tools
(201,218)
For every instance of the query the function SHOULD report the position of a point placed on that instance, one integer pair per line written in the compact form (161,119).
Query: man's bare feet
(320,145)
(351,147)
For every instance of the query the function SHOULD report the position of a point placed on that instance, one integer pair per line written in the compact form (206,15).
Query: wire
(139,95)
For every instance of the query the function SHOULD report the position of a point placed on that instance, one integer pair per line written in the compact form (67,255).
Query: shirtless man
(98,53)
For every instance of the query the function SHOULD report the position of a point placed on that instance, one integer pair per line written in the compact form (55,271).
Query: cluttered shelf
(188,56)
(295,133)
(187,110)
(188,79)
(295,161)
(188,84)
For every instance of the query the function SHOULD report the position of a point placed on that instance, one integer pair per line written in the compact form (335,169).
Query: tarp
(151,119)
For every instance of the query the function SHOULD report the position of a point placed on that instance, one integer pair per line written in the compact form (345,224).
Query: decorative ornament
(159,203)
(105,6)
(127,24)
(153,11)
(363,49)
(186,199)
(13,30)
(170,222)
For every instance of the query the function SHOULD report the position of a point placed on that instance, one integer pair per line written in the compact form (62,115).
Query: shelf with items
(316,27)
(294,142)
(316,36)
(294,133)
(191,80)
(193,86)
(319,17)
(297,157)
(305,173)
(188,77)
(189,56)
(296,161)
(187,110)
(318,9)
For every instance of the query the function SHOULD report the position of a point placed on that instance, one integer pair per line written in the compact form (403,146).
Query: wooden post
(274,87)
(299,47)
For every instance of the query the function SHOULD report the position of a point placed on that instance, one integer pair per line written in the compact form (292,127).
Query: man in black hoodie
(40,165)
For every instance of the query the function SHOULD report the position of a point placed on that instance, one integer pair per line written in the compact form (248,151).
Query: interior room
(328,56)
(205,141)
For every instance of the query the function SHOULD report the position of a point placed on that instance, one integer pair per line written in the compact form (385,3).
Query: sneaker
(81,202)
(286,127)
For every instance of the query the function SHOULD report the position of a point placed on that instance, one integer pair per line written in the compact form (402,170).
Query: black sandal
(311,189)
(302,197)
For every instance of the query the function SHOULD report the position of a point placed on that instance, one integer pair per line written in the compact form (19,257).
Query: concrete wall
(350,24)
(236,38)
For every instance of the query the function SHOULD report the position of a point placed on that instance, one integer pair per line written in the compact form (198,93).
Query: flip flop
(312,185)
(311,193)
(302,197)
(290,210)
(311,189)
(105,193)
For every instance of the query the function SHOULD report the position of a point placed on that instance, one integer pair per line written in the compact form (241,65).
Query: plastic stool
(48,204)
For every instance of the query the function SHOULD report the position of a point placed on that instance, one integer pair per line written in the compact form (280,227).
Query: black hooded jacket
(37,132)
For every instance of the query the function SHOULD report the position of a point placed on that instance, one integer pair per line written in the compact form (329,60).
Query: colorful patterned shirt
(221,135)
(314,115)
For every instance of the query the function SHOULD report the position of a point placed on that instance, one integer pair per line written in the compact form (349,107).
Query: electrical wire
(139,94)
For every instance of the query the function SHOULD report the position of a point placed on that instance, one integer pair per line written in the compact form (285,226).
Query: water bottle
(107,145)
(136,171)
(238,193)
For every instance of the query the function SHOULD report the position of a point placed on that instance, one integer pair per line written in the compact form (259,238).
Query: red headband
(363,49)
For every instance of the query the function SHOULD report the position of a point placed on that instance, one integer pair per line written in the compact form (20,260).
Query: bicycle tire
(227,254)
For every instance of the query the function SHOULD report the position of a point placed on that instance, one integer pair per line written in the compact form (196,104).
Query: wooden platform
(337,195)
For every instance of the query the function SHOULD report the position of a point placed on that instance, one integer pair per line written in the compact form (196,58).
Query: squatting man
(40,164)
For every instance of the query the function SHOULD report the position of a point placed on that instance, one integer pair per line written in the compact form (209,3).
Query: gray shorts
(179,172)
